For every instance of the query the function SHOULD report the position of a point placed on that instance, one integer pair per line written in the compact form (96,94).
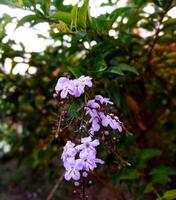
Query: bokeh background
(129,48)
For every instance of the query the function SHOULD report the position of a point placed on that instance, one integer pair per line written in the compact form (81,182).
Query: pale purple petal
(67,175)
(64,94)
(103,100)
(86,80)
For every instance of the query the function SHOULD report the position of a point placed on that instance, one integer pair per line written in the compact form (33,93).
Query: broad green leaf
(29,3)
(161,174)
(12,3)
(149,188)
(115,70)
(163,170)
(45,5)
(147,154)
(28,18)
(170,195)
(100,25)
(76,71)
(73,110)
(74,13)
(118,12)
(100,64)
(83,12)
(61,16)
(129,174)
(169,23)
(121,68)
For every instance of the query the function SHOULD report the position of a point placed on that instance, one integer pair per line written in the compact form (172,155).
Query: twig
(158,29)
(83,197)
(54,189)
(58,127)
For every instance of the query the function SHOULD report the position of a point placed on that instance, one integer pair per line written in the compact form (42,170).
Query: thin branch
(83,197)
(158,29)
(56,186)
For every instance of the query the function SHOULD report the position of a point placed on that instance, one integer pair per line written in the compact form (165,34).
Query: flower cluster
(65,86)
(81,158)
(98,118)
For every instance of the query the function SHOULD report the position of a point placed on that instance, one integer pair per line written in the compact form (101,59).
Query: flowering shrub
(80,159)
(130,55)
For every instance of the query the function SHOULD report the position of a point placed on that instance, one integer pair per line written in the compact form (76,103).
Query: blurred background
(129,48)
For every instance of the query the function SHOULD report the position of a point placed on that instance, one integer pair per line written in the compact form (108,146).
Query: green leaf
(163,170)
(12,3)
(129,174)
(169,23)
(161,174)
(83,12)
(61,16)
(73,110)
(76,71)
(170,195)
(28,18)
(115,70)
(118,12)
(149,188)
(100,25)
(147,154)
(100,64)
(74,12)
(121,68)
(45,5)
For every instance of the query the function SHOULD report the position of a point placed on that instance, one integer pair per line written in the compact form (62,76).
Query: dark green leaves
(100,64)
(83,14)
(121,69)
(168,195)
(162,174)
(74,109)
(32,19)
(61,16)
(45,5)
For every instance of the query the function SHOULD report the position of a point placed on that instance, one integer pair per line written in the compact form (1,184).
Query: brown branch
(54,189)
(158,29)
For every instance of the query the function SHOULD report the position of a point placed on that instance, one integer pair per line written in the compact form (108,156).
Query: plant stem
(83,197)
(54,189)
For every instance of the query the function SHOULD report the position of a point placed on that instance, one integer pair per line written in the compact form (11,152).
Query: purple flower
(72,170)
(92,104)
(86,80)
(98,119)
(88,145)
(68,153)
(86,158)
(103,100)
(61,81)
(78,88)
(112,121)
(95,125)
(89,161)
(65,86)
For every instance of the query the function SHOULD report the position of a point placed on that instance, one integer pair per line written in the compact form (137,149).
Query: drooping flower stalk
(98,118)
(81,159)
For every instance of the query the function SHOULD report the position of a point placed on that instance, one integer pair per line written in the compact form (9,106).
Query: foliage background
(136,72)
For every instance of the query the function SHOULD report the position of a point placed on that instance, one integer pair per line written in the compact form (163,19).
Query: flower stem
(83,197)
